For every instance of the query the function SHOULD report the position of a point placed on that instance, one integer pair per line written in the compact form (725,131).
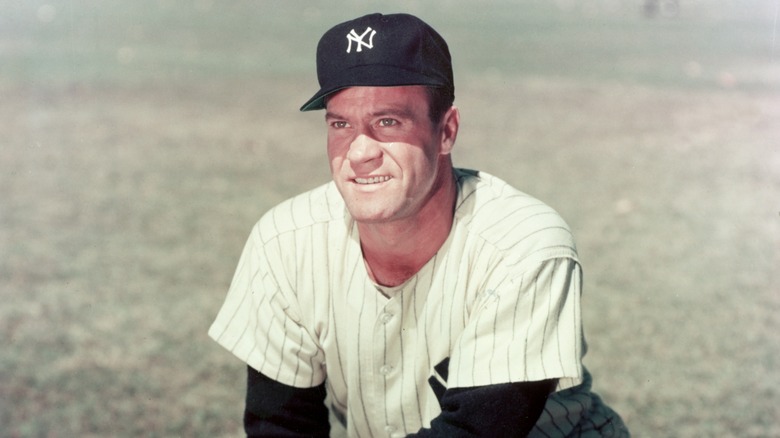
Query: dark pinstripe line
(268,336)
(294,245)
(295,200)
(313,366)
(559,312)
(485,229)
(554,308)
(548,285)
(383,400)
(238,275)
(335,323)
(291,246)
(450,335)
(230,324)
(328,203)
(540,230)
(415,297)
(257,326)
(530,255)
(314,296)
(348,288)
(274,317)
(274,213)
(434,261)
(246,327)
(515,315)
(448,265)
(502,199)
(450,321)
(298,354)
(474,358)
(528,328)
(401,339)
(495,328)
(462,356)
(578,316)
(256,321)
(352,419)
(273,221)
(508,232)
(359,355)
(333,310)
(334,320)
(498,295)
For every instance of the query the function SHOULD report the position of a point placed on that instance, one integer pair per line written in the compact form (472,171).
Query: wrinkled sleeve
(524,327)
(260,323)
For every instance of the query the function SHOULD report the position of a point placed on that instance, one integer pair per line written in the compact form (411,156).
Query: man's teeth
(372,180)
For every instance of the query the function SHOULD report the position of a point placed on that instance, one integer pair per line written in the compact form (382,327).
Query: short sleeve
(260,323)
(524,328)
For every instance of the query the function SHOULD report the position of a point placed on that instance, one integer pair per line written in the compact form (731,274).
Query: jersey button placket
(386,356)
(385,317)
(385,370)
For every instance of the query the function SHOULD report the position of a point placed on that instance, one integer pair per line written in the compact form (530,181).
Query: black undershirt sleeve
(277,410)
(501,410)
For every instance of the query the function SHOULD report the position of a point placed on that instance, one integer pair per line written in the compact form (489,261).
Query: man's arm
(502,410)
(277,410)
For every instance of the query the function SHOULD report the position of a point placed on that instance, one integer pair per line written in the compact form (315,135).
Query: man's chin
(369,216)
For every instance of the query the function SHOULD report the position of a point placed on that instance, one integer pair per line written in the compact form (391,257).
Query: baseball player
(407,297)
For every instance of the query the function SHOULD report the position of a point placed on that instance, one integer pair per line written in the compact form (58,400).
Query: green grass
(141,141)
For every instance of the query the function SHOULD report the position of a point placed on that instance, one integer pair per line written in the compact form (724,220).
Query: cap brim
(372,76)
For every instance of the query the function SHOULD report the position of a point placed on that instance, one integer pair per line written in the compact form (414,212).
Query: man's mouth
(372,180)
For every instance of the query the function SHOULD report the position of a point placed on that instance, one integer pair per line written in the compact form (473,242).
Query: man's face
(386,156)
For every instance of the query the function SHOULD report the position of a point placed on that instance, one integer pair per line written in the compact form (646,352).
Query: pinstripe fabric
(501,299)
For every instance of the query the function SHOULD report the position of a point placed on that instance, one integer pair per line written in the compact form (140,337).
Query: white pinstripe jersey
(500,299)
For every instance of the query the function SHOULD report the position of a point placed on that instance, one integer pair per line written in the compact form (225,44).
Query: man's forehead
(403,95)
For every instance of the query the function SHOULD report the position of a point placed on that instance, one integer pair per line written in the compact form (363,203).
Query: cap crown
(380,50)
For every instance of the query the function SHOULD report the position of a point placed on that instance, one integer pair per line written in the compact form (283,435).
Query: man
(407,297)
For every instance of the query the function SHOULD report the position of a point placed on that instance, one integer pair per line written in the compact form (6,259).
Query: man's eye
(388,122)
(339,125)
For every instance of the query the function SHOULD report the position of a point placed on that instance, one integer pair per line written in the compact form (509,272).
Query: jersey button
(386,317)
(389,429)
(385,370)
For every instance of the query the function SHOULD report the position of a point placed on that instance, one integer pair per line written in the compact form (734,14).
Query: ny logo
(358,39)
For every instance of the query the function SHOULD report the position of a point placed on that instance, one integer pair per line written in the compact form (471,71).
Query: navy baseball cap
(380,51)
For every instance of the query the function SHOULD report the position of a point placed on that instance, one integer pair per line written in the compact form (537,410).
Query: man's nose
(363,149)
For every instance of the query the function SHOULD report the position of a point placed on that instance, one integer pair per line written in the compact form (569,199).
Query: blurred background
(140,141)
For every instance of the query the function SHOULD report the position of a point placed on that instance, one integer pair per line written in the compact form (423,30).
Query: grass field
(142,140)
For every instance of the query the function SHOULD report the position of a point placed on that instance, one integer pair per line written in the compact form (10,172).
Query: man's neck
(394,252)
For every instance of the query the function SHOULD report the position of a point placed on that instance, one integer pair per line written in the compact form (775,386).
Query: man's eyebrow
(396,111)
(332,115)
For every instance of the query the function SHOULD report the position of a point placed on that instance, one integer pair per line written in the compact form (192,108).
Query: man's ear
(449,130)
